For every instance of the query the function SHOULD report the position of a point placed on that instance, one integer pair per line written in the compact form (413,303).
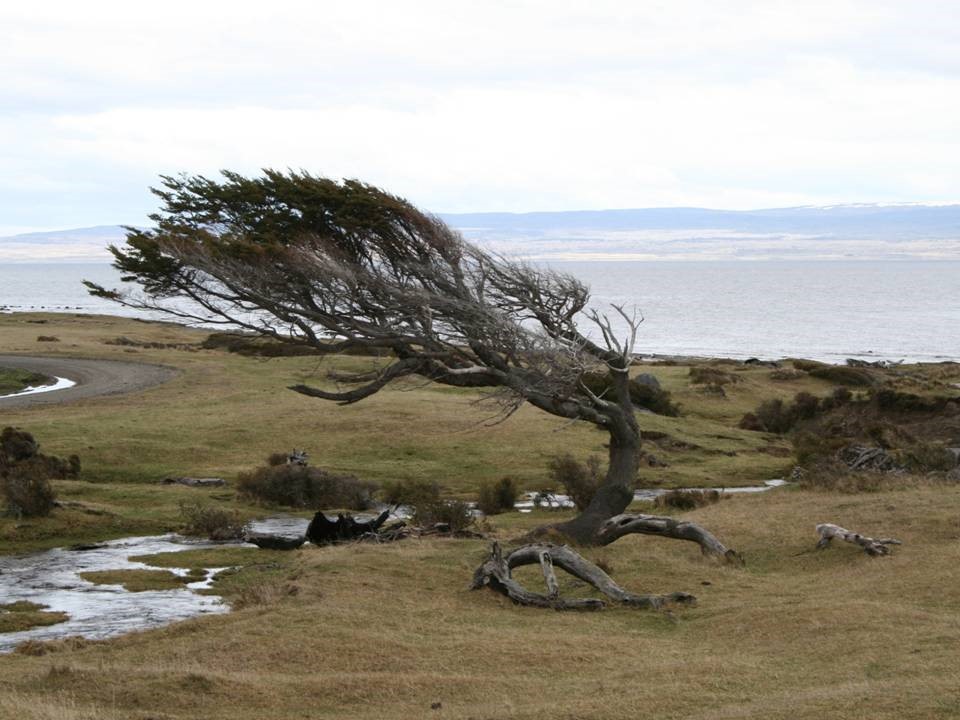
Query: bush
(838,398)
(786,374)
(578,479)
(429,508)
(841,375)
(808,365)
(455,514)
(711,376)
(28,494)
(202,520)
(893,400)
(410,492)
(25,474)
(687,499)
(776,416)
(810,448)
(642,394)
(306,487)
(927,457)
(497,497)
(254,346)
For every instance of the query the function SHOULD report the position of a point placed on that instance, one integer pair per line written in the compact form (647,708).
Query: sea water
(827,310)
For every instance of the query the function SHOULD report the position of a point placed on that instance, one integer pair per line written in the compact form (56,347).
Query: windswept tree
(344,266)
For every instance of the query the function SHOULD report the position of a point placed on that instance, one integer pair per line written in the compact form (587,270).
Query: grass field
(364,631)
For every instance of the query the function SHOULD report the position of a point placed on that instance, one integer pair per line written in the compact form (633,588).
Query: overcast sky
(476,106)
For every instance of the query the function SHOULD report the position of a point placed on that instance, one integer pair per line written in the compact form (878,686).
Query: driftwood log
(495,573)
(620,525)
(324,531)
(871,546)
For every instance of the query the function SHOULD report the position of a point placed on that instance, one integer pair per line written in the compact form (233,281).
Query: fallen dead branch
(495,573)
(871,546)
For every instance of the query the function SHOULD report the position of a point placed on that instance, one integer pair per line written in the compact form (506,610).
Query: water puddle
(291,526)
(52,578)
(58,384)
(556,501)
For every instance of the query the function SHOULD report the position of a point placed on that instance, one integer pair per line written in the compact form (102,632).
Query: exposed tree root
(620,525)
(495,573)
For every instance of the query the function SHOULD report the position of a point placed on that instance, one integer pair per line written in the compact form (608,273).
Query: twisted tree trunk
(616,492)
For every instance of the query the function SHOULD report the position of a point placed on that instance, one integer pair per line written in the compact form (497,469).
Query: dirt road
(92,378)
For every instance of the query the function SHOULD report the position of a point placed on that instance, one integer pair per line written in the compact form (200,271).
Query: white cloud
(482,105)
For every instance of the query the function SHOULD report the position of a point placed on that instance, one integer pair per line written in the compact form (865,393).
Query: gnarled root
(495,573)
(871,546)
(620,525)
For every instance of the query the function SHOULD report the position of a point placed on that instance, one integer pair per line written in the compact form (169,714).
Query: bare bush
(305,487)
(580,480)
(497,497)
(209,521)
(25,474)
(688,499)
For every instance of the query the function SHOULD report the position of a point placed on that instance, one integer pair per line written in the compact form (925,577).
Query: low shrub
(28,494)
(893,400)
(202,520)
(305,487)
(496,497)
(776,416)
(842,375)
(687,499)
(711,376)
(808,365)
(455,514)
(786,374)
(253,346)
(580,480)
(429,508)
(832,475)
(25,474)
(928,457)
(410,492)
(810,448)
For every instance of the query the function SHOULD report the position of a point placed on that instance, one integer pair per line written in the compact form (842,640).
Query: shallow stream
(52,578)
(95,611)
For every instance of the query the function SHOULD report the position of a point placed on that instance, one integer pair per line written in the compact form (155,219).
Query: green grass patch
(23,615)
(14,380)
(143,580)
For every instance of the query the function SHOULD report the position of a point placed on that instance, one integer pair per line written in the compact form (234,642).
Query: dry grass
(364,631)
(378,631)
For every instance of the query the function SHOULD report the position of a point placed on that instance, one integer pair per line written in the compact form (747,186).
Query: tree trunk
(616,492)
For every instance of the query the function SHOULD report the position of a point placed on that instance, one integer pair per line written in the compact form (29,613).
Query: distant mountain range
(865,231)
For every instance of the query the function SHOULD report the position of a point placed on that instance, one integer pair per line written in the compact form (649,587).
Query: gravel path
(92,378)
